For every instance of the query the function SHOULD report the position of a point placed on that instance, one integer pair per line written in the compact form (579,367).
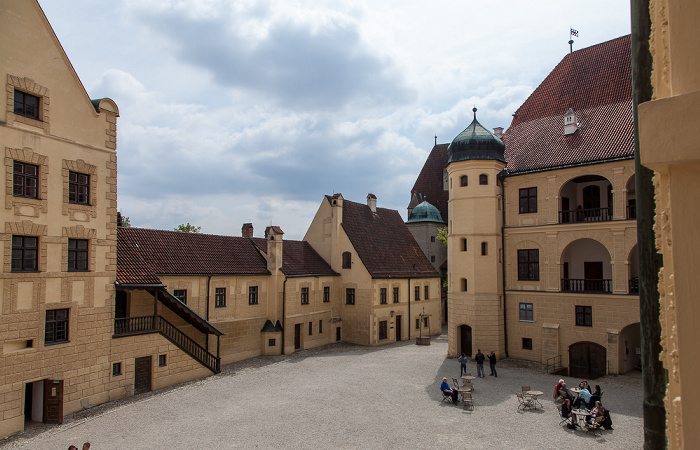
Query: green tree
(126,222)
(187,228)
(442,236)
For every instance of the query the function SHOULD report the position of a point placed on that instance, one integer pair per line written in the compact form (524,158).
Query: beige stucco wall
(667,147)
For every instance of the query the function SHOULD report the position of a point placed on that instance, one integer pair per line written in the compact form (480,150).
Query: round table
(534,395)
(468,377)
(580,416)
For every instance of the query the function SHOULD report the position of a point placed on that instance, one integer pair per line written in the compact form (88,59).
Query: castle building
(542,261)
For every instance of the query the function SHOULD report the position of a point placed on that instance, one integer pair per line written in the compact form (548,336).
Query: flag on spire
(573,32)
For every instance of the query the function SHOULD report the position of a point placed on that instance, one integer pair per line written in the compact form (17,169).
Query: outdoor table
(580,416)
(534,395)
(468,377)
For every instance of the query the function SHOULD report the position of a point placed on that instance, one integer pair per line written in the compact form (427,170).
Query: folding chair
(447,397)
(468,400)
(563,419)
(456,383)
(524,401)
(594,425)
(524,388)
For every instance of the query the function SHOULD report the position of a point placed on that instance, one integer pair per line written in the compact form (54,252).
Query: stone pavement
(345,396)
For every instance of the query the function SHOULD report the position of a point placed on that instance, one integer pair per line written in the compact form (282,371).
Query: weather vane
(572,33)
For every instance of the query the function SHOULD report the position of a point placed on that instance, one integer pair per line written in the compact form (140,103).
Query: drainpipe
(503,263)
(410,319)
(206,341)
(284,310)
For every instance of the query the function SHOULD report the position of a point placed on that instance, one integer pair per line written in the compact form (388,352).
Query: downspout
(207,339)
(410,320)
(503,262)
(284,310)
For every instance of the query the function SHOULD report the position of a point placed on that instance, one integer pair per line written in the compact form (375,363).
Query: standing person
(492,363)
(462,364)
(479,363)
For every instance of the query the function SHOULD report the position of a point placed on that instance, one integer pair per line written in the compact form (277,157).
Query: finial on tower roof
(474,110)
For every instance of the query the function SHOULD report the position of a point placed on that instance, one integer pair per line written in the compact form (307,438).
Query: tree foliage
(442,236)
(126,222)
(187,228)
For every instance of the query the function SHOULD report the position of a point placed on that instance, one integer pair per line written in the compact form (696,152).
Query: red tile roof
(384,244)
(429,181)
(596,82)
(174,252)
(298,258)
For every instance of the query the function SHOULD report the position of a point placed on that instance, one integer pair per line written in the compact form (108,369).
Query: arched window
(464,180)
(347,260)
(483,179)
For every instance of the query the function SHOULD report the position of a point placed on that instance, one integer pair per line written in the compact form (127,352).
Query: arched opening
(483,179)
(631,199)
(586,267)
(630,348)
(586,198)
(633,264)
(465,340)
(587,360)
(464,180)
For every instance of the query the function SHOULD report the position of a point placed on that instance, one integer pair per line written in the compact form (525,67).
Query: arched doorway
(587,360)
(587,198)
(586,267)
(465,340)
(630,348)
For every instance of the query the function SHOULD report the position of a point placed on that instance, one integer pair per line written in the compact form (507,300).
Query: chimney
(498,132)
(273,236)
(372,202)
(570,122)
(247,230)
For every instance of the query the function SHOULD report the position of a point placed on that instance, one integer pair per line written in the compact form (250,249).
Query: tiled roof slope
(384,244)
(131,267)
(596,82)
(429,181)
(298,258)
(174,252)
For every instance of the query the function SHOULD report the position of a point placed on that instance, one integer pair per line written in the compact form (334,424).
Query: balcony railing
(634,285)
(586,215)
(130,326)
(631,212)
(586,285)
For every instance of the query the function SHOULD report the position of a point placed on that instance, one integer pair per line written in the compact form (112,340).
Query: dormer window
(570,123)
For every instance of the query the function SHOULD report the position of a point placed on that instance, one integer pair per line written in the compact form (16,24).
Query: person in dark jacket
(492,363)
(479,358)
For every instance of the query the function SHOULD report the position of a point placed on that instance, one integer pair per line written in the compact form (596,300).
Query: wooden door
(591,197)
(398,328)
(142,375)
(465,332)
(297,336)
(53,401)
(593,276)
(587,360)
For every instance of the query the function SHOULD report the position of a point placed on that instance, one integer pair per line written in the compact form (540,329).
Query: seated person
(584,396)
(445,388)
(594,397)
(597,412)
(584,385)
(566,408)
(565,392)
(557,388)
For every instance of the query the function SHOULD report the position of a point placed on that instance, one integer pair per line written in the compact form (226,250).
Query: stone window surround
(26,155)
(30,87)
(79,232)
(27,228)
(80,166)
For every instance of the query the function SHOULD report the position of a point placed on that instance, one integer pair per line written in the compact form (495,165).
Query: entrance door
(465,333)
(53,401)
(142,375)
(398,328)
(587,360)
(593,276)
(297,336)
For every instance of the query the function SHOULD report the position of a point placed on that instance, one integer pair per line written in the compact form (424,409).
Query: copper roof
(298,258)
(384,244)
(596,83)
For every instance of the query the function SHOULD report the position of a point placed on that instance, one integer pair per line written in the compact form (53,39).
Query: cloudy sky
(236,111)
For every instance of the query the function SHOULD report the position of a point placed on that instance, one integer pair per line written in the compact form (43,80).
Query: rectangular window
(425,321)
(180,294)
(349,296)
(526,312)
(383,333)
(78,188)
(220,297)
(529,265)
(26,105)
(347,260)
(382,296)
(464,285)
(432,238)
(584,316)
(484,248)
(25,180)
(527,344)
(25,253)
(396,295)
(464,244)
(116,369)
(252,295)
(426,292)
(311,328)
(432,258)
(77,255)
(320,326)
(271,342)
(56,326)
(416,295)
(326,294)
(304,296)
(162,361)
(528,200)
(417,324)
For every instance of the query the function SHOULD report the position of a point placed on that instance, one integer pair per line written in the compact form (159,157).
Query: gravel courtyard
(344,396)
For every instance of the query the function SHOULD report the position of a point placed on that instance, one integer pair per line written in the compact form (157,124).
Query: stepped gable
(384,244)
(175,252)
(429,181)
(596,83)
(298,258)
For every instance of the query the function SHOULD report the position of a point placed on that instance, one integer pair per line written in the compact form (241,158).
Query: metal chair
(524,402)
(445,396)
(563,419)
(524,388)
(594,425)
